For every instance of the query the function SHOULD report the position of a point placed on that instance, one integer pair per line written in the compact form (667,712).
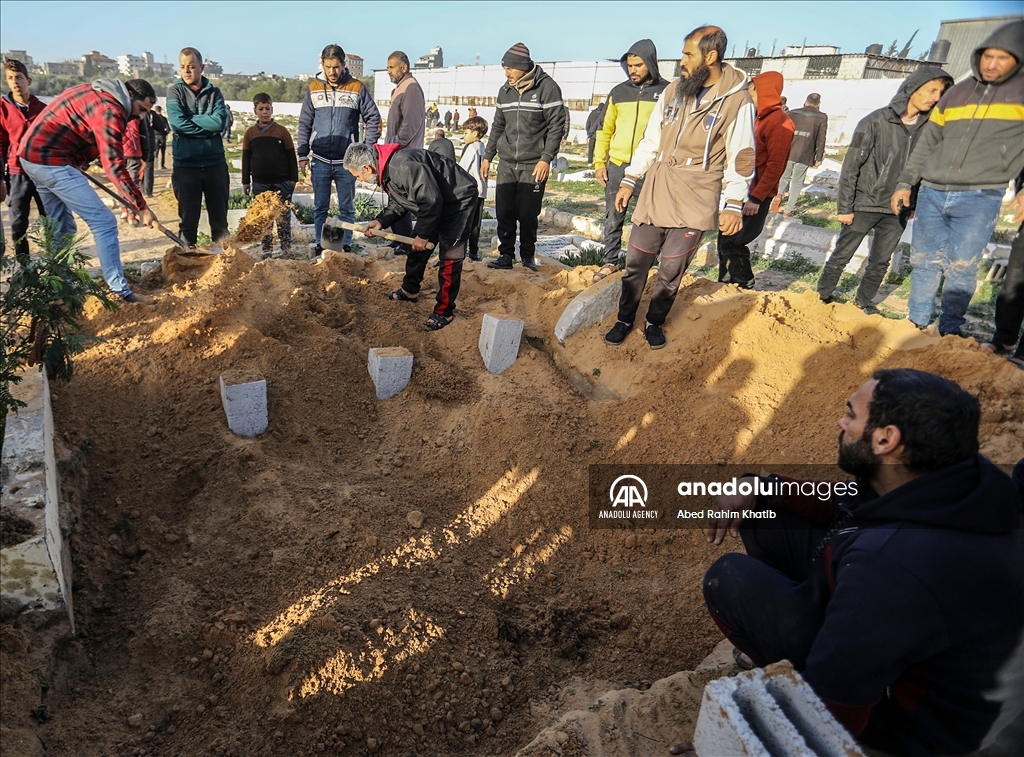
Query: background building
(957,39)
(355,65)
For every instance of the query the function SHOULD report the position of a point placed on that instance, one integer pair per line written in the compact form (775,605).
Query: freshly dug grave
(280,595)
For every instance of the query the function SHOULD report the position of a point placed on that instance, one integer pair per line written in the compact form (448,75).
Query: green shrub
(589,254)
(304,213)
(239,200)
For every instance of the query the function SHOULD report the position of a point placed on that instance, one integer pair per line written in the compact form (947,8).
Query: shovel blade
(333,236)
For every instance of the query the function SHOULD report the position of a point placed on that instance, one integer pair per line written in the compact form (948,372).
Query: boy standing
(17,110)
(268,155)
(197,115)
(473,131)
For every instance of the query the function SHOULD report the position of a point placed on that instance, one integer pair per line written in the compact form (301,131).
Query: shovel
(334,231)
(169,234)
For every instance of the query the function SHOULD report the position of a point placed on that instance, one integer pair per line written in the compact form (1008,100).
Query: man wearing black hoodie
(881,143)
(528,126)
(970,149)
(901,604)
(630,105)
(443,198)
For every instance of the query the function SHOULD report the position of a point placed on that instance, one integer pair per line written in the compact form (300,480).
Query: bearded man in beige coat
(700,136)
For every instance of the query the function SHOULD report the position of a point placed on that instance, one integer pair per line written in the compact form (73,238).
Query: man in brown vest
(700,135)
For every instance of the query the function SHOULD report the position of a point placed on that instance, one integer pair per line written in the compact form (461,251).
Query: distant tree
(369,83)
(892,49)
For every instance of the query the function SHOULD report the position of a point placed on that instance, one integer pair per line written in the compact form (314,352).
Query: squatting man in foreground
(900,603)
(443,197)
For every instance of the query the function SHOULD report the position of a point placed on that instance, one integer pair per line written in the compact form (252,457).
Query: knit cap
(518,57)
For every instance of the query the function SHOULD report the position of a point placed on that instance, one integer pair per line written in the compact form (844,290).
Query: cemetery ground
(415,575)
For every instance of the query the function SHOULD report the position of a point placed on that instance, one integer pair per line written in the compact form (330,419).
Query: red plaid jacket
(79,126)
(13,122)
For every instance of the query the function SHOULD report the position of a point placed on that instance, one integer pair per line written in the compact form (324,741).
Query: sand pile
(260,216)
(270,596)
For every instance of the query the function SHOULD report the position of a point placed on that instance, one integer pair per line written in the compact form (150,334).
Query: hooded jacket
(880,148)
(810,130)
(81,124)
(689,150)
(197,121)
(773,137)
(974,138)
(629,109)
(529,121)
(430,185)
(13,122)
(329,118)
(921,651)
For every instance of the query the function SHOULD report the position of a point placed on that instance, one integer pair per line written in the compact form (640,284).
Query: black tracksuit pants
(762,600)
(1010,303)
(733,252)
(517,199)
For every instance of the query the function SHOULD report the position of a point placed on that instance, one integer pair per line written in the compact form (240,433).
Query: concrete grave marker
(499,343)
(244,395)
(390,368)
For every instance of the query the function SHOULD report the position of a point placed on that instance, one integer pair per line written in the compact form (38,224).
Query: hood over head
(648,53)
(116,88)
(384,153)
(769,91)
(914,82)
(1009,37)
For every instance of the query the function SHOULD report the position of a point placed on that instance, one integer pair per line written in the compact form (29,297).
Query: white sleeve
(647,150)
(739,158)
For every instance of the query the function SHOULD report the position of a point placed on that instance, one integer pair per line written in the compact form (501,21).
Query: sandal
(743,662)
(997,349)
(437,322)
(399,295)
(605,271)
(1017,361)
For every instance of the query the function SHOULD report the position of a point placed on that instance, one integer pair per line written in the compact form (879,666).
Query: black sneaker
(346,248)
(654,336)
(318,252)
(473,257)
(618,333)
(503,262)
(531,263)
(827,300)
(869,308)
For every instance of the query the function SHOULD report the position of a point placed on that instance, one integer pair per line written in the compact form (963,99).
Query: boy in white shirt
(474,130)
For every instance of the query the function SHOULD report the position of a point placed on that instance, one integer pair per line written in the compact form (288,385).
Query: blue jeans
(64,191)
(323,176)
(951,230)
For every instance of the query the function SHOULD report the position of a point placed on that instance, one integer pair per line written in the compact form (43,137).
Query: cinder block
(499,343)
(390,368)
(244,395)
(769,712)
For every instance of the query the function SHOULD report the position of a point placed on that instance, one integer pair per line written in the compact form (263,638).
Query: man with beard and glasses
(696,161)
(900,603)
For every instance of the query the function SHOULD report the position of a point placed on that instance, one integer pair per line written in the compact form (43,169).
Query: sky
(286,37)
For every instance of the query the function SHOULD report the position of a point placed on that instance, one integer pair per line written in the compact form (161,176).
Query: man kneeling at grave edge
(443,197)
(901,606)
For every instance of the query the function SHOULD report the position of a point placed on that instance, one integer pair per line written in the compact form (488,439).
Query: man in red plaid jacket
(85,123)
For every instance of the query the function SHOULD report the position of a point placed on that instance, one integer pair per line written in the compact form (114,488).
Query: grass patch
(589,255)
(821,222)
(586,208)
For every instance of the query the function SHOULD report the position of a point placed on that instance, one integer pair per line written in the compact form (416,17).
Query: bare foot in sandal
(605,271)
(437,322)
(400,295)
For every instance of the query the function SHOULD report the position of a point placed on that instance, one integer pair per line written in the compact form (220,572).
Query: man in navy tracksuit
(902,606)
(328,124)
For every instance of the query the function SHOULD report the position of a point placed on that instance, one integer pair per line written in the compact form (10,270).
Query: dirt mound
(274,596)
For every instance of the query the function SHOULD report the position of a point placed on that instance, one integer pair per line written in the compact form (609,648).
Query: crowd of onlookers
(939,152)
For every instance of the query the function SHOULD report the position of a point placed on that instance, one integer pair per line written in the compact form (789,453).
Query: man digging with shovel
(82,124)
(443,197)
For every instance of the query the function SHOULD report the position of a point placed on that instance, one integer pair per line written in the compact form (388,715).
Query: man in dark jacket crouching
(443,197)
(900,604)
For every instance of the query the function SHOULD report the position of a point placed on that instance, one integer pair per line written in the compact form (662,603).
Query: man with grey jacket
(405,124)
(528,126)
(881,143)
(970,149)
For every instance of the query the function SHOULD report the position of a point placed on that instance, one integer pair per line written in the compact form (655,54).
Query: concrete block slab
(590,307)
(390,368)
(769,712)
(499,343)
(244,395)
